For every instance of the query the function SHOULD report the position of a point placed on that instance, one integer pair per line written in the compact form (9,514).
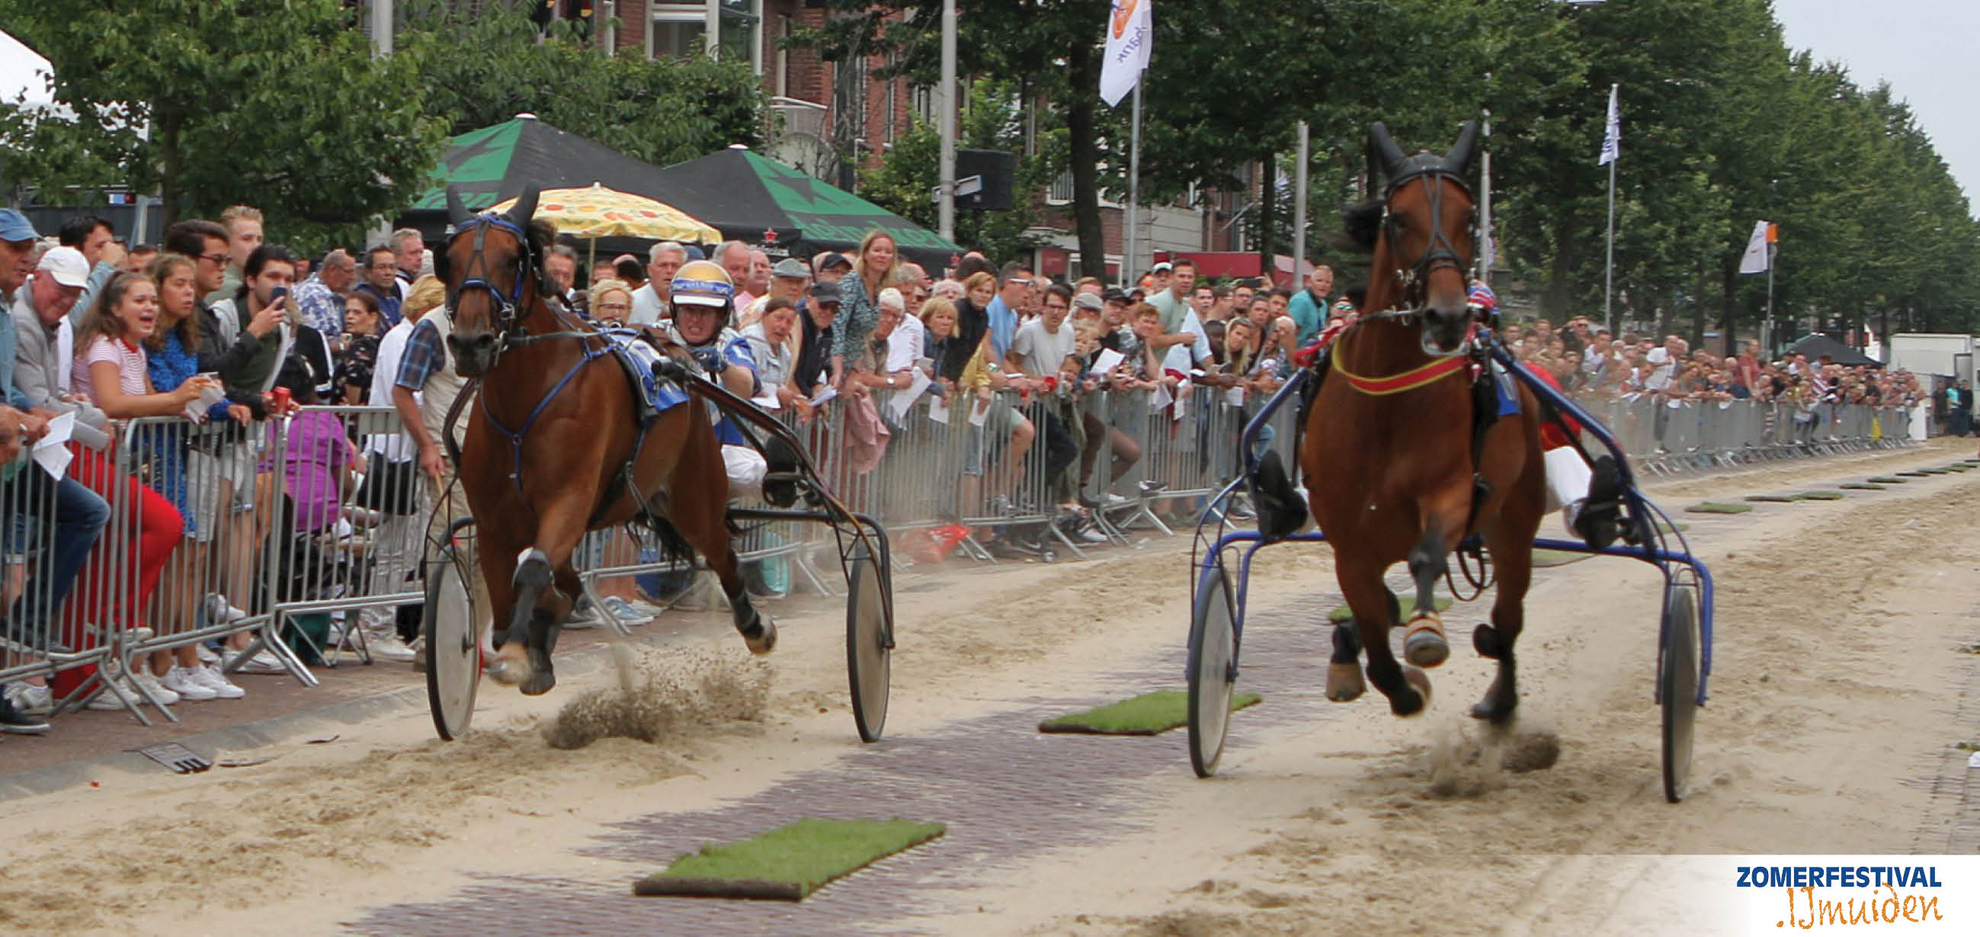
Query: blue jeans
(79,518)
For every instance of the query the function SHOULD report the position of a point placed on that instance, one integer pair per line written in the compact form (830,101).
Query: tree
(662,110)
(901,183)
(1050,48)
(273,103)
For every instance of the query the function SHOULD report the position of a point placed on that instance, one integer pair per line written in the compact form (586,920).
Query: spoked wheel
(869,642)
(1212,670)
(453,655)
(1677,685)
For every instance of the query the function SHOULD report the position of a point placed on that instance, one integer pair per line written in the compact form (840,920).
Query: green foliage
(901,183)
(661,110)
(216,102)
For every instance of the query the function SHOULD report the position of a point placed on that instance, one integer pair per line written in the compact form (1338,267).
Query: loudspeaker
(999,171)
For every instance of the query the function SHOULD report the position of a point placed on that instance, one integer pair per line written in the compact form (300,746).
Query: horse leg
(1361,583)
(1423,643)
(539,601)
(1510,538)
(494,551)
(1344,683)
(703,523)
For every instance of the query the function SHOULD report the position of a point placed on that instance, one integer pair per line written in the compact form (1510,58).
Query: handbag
(390,487)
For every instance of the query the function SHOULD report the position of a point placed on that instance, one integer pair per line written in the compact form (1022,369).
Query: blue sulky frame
(1657,538)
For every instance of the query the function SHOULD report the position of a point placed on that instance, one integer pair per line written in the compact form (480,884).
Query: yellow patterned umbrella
(596,212)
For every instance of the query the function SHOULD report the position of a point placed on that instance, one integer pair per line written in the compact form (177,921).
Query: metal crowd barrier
(1667,437)
(39,635)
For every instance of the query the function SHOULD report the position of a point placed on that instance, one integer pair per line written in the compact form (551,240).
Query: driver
(703,300)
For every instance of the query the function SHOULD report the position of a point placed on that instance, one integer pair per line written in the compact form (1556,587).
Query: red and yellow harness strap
(1407,380)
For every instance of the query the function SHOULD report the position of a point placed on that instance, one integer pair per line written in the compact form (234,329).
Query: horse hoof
(539,683)
(1344,682)
(1493,713)
(1403,705)
(1485,640)
(765,639)
(1424,644)
(508,671)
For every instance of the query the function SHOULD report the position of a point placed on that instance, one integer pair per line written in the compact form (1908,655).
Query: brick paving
(1007,792)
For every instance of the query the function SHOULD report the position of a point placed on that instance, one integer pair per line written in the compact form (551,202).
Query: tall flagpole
(1609,285)
(1486,251)
(945,212)
(1128,271)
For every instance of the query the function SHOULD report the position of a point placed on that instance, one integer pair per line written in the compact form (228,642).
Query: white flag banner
(1612,134)
(1755,258)
(1130,36)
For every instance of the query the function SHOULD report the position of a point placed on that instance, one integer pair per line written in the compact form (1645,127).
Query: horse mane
(1362,224)
(541,237)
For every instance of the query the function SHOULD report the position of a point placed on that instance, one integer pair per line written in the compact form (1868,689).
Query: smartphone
(276,296)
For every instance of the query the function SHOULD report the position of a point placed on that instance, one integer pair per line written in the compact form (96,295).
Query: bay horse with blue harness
(1396,466)
(556,446)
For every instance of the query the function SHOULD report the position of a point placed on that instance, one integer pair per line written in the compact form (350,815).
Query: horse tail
(674,548)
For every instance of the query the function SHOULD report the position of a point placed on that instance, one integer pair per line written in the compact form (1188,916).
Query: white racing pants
(1567,477)
(746,469)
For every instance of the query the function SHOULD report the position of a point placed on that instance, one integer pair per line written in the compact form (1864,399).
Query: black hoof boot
(1485,640)
(780,486)
(1281,511)
(1599,521)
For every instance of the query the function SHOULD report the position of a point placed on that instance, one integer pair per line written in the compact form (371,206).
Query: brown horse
(1389,452)
(555,446)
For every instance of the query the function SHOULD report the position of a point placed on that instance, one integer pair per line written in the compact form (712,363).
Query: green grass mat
(1147,714)
(1769,498)
(1862,486)
(1819,496)
(1935,471)
(1914,475)
(1344,614)
(1888,480)
(1959,467)
(787,863)
(1717,507)
(1544,558)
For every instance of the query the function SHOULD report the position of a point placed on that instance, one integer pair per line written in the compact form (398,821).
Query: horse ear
(1362,224)
(1392,155)
(1458,160)
(525,207)
(456,209)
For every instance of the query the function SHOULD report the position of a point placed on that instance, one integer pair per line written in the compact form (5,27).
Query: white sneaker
(206,654)
(212,679)
(385,645)
(221,612)
(261,662)
(183,681)
(30,700)
(115,692)
(162,694)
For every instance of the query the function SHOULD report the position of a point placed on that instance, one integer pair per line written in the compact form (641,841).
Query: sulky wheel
(1212,669)
(1677,685)
(869,642)
(453,655)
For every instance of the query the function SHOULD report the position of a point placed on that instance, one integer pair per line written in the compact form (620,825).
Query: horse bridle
(477,274)
(1442,254)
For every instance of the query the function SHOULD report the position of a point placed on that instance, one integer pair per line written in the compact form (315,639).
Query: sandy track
(1815,598)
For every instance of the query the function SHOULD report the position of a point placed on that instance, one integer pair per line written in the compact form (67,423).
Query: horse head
(492,266)
(1427,233)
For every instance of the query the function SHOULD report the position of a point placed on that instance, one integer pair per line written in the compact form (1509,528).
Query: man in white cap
(44,333)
